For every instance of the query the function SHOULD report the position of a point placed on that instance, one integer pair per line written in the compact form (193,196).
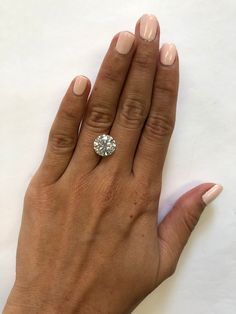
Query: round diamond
(104,145)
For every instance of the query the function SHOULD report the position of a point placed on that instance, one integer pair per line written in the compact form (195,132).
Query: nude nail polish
(124,42)
(212,194)
(148,27)
(168,54)
(80,85)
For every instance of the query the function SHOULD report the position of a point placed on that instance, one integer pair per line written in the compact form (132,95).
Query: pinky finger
(63,135)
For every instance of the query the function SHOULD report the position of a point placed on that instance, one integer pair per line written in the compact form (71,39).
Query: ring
(104,145)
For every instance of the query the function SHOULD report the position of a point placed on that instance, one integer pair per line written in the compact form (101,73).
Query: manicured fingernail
(148,27)
(80,85)
(168,54)
(124,42)
(212,194)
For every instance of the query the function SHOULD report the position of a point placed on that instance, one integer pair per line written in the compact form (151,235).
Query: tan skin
(89,239)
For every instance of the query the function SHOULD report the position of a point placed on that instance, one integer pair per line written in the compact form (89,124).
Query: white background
(44,44)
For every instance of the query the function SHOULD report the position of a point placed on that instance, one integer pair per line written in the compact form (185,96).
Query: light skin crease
(89,240)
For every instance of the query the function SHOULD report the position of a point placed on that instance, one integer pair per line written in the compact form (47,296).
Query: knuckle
(112,72)
(159,125)
(38,196)
(172,269)
(133,112)
(173,257)
(190,220)
(99,115)
(68,113)
(31,194)
(107,193)
(144,60)
(167,87)
(61,142)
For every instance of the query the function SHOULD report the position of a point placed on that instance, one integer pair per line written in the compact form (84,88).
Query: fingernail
(124,42)
(148,27)
(212,194)
(80,85)
(168,54)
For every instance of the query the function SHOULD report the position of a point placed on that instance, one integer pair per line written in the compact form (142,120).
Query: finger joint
(133,112)
(159,126)
(99,115)
(61,142)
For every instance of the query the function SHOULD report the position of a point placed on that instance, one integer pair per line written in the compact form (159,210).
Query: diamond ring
(104,145)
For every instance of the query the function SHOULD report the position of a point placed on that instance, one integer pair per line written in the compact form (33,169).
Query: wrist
(30,301)
(24,301)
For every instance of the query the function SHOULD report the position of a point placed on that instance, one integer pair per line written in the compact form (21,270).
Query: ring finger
(103,101)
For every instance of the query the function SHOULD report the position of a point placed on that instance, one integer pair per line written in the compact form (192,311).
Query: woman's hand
(89,240)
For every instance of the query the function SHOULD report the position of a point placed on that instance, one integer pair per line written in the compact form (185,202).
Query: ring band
(104,145)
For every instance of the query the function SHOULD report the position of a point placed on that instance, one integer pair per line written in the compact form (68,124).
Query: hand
(89,239)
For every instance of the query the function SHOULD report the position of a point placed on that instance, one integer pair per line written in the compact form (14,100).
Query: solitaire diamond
(104,145)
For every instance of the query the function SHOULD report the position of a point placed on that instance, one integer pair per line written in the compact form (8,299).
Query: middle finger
(136,96)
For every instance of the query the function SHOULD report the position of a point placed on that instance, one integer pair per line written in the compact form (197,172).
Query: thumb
(176,228)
